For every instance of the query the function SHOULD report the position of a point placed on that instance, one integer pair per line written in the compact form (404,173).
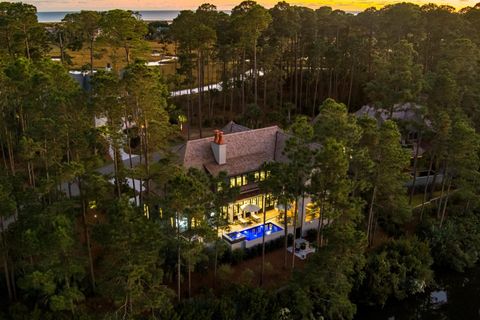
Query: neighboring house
(241,153)
(83,78)
(5,222)
(409,115)
(410,118)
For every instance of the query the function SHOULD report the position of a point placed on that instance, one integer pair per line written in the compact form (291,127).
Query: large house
(241,153)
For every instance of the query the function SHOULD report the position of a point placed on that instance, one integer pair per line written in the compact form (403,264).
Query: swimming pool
(253,232)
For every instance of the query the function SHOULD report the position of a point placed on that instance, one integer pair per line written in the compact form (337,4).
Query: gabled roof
(401,112)
(233,127)
(247,151)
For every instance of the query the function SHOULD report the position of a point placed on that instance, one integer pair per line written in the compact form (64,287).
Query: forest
(77,242)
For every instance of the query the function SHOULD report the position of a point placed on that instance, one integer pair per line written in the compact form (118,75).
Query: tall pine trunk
(91,56)
(285,243)
(88,243)
(263,242)
(199,80)
(255,75)
(179,268)
(315,95)
(215,262)
(350,87)
(432,188)
(415,161)
(294,231)
(371,217)
(425,190)
(442,192)
(243,76)
(320,226)
(5,259)
(446,203)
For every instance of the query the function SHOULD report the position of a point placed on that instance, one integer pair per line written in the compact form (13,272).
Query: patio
(273,215)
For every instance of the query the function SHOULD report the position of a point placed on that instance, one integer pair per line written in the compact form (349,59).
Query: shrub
(247,276)
(268,267)
(456,245)
(238,255)
(398,269)
(225,272)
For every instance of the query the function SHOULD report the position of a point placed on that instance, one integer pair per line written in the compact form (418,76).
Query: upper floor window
(243,180)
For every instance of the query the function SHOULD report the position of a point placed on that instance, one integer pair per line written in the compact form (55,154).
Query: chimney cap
(216,136)
(220,138)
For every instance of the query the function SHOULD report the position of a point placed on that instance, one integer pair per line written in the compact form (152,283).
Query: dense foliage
(79,241)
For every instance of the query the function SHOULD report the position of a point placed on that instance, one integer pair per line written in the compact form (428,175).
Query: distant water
(151,15)
(147,15)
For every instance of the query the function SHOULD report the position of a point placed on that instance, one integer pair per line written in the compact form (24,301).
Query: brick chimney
(219,148)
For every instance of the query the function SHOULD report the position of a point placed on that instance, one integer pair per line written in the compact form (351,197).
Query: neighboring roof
(82,78)
(233,127)
(246,151)
(402,112)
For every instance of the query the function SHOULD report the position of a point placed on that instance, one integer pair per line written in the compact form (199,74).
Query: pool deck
(274,216)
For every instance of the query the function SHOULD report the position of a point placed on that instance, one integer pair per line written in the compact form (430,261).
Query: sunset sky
(348,5)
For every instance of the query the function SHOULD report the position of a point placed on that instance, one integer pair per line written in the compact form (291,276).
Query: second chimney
(219,148)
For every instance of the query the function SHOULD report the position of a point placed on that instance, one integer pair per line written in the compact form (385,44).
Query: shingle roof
(239,165)
(403,112)
(233,127)
(246,151)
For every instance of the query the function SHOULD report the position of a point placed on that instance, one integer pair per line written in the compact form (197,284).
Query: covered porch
(239,219)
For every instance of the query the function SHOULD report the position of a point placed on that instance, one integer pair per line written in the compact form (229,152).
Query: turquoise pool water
(254,232)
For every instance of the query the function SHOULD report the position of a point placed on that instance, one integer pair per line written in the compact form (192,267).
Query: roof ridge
(199,139)
(252,130)
(234,133)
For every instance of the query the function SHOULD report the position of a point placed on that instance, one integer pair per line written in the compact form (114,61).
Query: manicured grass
(103,55)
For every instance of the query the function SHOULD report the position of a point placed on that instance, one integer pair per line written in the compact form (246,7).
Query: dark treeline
(78,243)
(296,57)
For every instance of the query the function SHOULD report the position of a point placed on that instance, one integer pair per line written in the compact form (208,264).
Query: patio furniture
(250,208)
(302,248)
(242,221)
(255,217)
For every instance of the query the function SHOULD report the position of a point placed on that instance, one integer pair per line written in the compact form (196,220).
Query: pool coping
(243,238)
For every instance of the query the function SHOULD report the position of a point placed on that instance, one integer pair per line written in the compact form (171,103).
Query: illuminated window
(146,211)
(232,182)
(262,175)
(245,180)
(257,176)
(269,202)
(219,186)
(239,181)
(92,204)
